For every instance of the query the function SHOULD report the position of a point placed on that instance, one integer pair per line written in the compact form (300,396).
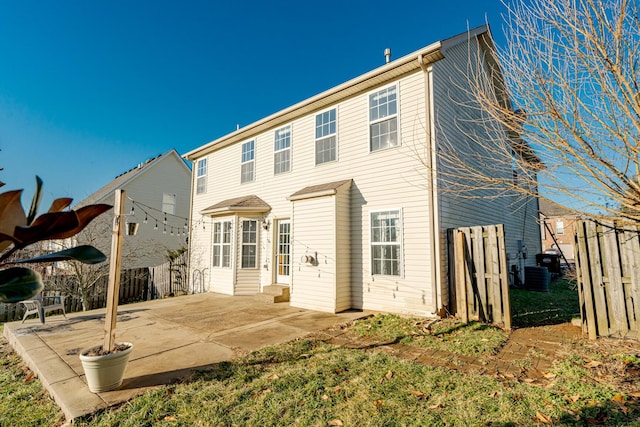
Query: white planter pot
(105,372)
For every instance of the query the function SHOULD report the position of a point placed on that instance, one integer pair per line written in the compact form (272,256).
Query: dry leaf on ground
(545,419)
(418,394)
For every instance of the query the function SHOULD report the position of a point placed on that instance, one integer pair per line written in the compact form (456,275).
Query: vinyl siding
(391,178)
(149,247)
(313,286)
(343,250)
(453,122)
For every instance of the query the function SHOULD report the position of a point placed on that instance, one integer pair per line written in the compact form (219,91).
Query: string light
(168,219)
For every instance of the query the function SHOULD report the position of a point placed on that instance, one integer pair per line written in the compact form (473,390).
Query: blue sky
(89,89)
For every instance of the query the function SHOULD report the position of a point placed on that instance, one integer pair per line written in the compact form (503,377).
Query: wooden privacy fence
(479,279)
(608,269)
(169,279)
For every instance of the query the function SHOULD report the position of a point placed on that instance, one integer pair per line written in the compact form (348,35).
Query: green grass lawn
(311,383)
(559,305)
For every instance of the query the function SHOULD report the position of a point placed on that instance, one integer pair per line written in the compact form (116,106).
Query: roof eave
(233,210)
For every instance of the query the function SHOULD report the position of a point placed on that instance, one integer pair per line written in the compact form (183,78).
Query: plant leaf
(46,225)
(11,216)
(35,202)
(85,215)
(60,204)
(83,253)
(18,284)
(58,225)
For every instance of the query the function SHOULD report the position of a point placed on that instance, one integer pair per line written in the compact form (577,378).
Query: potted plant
(104,365)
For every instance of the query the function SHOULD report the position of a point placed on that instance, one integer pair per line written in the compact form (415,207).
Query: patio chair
(32,306)
(43,305)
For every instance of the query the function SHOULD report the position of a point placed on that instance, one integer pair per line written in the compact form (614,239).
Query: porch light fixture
(265,224)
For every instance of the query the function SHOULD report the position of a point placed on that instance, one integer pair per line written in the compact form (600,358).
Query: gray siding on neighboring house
(146,185)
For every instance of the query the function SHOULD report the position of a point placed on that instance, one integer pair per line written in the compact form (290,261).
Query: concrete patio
(172,338)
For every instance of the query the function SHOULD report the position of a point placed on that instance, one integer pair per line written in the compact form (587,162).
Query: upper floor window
(282,150)
(383,119)
(201,181)
(169,203)
(559,227)
(326,137)
(248,162)
(222,243)
(249,243)
(386,242)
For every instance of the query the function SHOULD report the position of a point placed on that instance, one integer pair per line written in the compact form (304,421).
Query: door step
(272,294)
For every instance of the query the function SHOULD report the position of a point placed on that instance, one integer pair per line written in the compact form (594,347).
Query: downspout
(190,229)
(431,187)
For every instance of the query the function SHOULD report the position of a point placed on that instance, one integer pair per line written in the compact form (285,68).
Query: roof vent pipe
(387,55)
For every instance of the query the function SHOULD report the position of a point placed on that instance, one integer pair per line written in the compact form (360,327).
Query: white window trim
(400,243)
(397,115)
(290,149)
(242,243)
(315,146)
(221,244)
(203,176)
(242,163)
(560,230)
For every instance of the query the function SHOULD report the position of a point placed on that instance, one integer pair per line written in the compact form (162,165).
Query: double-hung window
(248,162)
(560,228)
(169,203)
(222,231)
(282,150)
(249,243)
(201,182)
(386,243)
(326,137)
(383,119)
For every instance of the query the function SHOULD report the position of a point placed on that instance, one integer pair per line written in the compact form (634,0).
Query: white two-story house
(337,196)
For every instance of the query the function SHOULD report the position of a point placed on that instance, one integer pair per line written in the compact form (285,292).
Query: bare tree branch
(571,69)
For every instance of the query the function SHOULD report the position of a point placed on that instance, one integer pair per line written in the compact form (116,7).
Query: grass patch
(23,400)
(531,308)
(449,335)
(307,383)
(311,383)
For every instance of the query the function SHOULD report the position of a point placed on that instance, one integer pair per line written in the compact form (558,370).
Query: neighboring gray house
(332,199)
(156,189)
